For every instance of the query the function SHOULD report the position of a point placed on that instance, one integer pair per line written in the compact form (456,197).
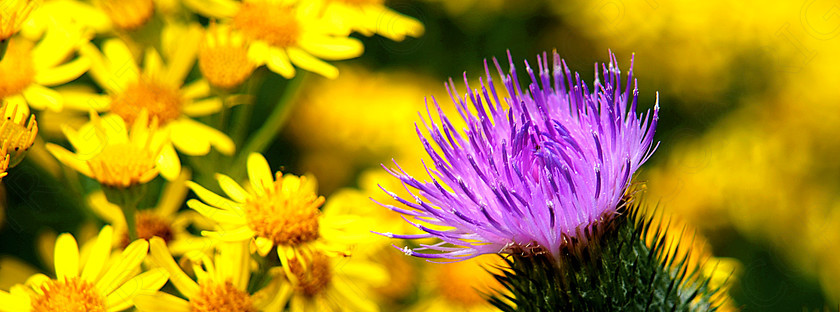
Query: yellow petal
(121,271)
(231,188)
(114,127)
(332,48)
(122,69)
(195,138)
(100,69)
(183,245)
(99,254)
(108,212)
(66,257)
(196,89)
(69,159)
(203,107)
(278,62)
(161,301)
(258,52)
(236,235)
(181,57)
(40,97)
(161,256)
(146,282)
(213,199)
(218,215)
(259,173)
(263,245)
(64,73)
(153,64)
(306,61)
(168,162)
(54,47)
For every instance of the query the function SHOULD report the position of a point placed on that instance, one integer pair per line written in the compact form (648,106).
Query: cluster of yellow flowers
(152,83)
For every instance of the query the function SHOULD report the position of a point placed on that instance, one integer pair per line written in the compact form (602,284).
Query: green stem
(272,125)
(243,113)
(127,199)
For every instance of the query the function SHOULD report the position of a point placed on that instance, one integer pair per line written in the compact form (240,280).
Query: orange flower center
(225,65)
(150,225)
(16,68)
(161,101)
(221,298)
(128,14)
(273,23)
(286,216)
(123,165)
(313,278)
(71,295)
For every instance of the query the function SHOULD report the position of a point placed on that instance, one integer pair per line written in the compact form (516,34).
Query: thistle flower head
(533,167)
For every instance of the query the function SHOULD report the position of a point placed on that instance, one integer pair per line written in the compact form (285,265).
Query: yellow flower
(16,133)
(223,57)
(28,68)
(108,153)
(163,220)
(221,283)
(325,283)
(157,89)
(370,17)
(283,33)
(281,213)
(97,282)
(12,16)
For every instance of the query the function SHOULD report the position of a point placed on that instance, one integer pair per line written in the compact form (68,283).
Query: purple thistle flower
(531,168)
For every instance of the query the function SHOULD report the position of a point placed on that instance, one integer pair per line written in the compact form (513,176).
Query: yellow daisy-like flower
(28,68)
(370,17)
(108,153)
(282,33)
(223,57)
(281,213)
(159,89)
(12,16)
(16,134)
(325,283)
(98,282)
(163,220)
(221,283)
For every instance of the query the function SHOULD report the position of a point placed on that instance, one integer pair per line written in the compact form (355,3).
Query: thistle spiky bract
(625,264)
